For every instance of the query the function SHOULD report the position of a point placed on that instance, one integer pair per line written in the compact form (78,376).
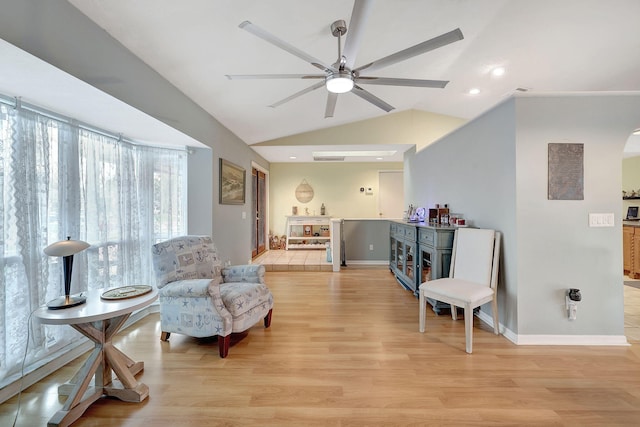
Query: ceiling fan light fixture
(340,82)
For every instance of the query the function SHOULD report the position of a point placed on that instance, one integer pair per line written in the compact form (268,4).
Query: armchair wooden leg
(164,336)
(267,319)
(223,345)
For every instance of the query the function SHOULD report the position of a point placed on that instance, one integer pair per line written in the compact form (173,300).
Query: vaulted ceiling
(543,45)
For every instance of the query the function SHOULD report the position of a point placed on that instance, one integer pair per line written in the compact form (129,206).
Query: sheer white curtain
(59,180)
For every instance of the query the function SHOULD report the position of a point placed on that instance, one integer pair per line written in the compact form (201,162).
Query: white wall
(335,184)
(419,128)
(630,180)
(494,170)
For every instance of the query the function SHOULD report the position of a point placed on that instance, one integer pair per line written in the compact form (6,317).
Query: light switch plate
(601,220)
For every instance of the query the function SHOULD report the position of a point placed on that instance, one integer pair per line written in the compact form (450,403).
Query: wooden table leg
(104,359)
(81,395)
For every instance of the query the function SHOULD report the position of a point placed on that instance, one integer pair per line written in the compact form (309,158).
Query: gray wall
(59,34)
(359,234)
(494,171)
(473,171)
(556,248)
(200,191)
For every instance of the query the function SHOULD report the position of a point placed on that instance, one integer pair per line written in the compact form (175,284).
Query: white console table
(308,232)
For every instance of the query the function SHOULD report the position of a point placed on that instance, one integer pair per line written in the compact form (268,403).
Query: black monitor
(632,212)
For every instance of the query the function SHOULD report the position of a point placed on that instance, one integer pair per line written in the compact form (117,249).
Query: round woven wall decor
(304,192)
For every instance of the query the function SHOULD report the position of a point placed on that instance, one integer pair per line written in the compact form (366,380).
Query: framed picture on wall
(232,183)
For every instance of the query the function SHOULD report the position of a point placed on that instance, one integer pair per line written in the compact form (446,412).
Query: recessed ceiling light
(292,157)
(474,91)
(378,158)
(498,71)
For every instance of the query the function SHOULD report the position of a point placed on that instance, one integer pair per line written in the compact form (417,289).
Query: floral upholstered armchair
(199,298)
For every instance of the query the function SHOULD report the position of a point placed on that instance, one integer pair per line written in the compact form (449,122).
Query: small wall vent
(328,158)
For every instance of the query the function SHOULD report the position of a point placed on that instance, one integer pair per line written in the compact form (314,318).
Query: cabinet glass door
(410,273)
(393,256)
(400,252)
(426,264)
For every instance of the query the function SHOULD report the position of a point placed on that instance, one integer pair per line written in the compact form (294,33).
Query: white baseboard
(367,262)
(612,340)
(526,339)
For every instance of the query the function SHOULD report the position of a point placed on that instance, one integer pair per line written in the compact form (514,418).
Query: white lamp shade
(66,247)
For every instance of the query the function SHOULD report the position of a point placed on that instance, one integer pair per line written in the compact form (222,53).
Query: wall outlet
(572,308)
(370,247)
(573,311)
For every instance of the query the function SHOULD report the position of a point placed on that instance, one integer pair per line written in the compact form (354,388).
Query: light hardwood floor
(344,350)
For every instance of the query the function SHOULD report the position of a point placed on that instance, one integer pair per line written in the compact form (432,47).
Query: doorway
(630,199)
(390,194)
(259,212)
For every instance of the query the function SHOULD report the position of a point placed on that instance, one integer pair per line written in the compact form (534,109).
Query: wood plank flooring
(344,350)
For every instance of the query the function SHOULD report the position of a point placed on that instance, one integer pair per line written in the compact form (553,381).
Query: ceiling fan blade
(388,81)
(357,24)
(331,104)
(268,37)
(420,48)
(368,96)
(274,76)
(297,94)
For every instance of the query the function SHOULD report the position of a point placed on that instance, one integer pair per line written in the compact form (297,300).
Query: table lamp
(66,249)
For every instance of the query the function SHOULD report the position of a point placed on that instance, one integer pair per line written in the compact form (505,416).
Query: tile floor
(294,260)
(316,260)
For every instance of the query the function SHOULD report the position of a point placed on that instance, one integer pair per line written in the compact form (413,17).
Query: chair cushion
(244,273)
(240,297)
(187,288)
(187,257)
(462,290)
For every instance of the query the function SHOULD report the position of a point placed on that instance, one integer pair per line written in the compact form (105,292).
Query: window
(58,179)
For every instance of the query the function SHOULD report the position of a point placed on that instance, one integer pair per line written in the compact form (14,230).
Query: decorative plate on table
(125,292)
(421,212)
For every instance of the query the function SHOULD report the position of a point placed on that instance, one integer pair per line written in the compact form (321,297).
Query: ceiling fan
(342,77)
